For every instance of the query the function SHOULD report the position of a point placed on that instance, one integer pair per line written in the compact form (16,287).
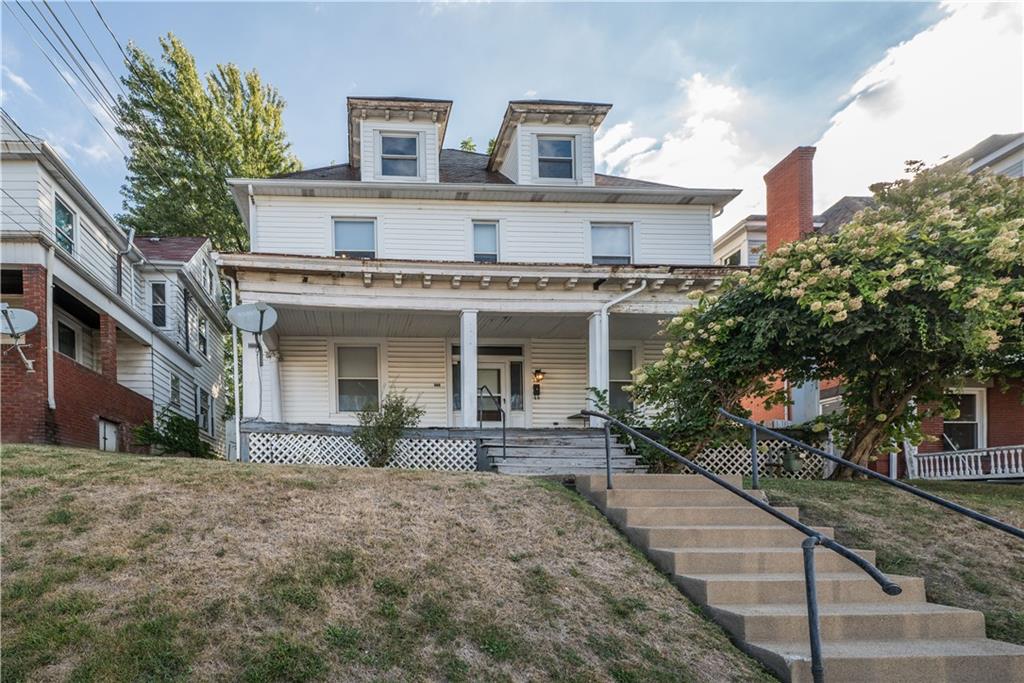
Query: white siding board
(564,391)
(417,368)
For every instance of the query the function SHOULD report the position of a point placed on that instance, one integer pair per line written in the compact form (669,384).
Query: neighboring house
(125,329)
(453,277)
(989,417)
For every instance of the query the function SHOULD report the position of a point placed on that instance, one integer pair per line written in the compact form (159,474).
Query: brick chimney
(790,198)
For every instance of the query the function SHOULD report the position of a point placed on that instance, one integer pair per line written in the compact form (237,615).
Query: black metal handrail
(948,504)
(813,538)
(501,410)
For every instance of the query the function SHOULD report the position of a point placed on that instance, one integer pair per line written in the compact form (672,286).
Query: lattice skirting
(734,458)
(331,449)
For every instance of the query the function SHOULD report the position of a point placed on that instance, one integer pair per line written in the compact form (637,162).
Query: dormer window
(555,157)
(399,155)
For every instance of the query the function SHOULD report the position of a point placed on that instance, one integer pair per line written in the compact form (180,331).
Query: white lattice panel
(734,458)
(332,449)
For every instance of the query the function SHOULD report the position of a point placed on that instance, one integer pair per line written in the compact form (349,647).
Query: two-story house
(127,328)
(470,282)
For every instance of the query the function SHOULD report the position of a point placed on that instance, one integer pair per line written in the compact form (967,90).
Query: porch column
(597,359)
(272,387)
(467,363)
(250,380)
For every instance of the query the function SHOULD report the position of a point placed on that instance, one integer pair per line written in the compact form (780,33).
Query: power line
(78,50)
(114,78)
(107,26)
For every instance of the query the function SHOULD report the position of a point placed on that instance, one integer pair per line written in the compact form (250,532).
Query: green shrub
(381,427)
(173,434)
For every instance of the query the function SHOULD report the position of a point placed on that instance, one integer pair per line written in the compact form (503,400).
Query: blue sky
(704,95)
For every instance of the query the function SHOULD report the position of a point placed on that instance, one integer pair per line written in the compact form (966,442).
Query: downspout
(51,396)
(236,377)
(628,295)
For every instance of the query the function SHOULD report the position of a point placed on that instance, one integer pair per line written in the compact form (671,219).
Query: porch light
(538,377)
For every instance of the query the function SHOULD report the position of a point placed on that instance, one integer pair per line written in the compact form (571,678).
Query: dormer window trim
(573,158)
(379,136)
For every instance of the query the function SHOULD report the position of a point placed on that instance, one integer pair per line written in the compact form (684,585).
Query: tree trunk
(861,448)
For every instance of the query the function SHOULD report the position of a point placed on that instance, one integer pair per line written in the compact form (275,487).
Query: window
(201,337)
(357,375)
(485,242)
(610,243)
(175,391)
(67,340)
(64,226)
(756,248)
(555,157)
(158,303)
(398,155)
(208,277)
(355,239)
(204,412)
(620,373)
(966,431)
(732,259)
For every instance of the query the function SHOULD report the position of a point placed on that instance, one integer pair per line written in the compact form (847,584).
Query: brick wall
(82,396)
(789,198)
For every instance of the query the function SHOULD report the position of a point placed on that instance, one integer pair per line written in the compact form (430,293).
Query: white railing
(280,448)
(998,462)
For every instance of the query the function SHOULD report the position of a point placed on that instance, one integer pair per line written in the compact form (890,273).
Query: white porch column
(271,387)
(250,380)
(597,358)
(467,363)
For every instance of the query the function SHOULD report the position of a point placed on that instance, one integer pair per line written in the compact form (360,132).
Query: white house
(454,276)
(126,328)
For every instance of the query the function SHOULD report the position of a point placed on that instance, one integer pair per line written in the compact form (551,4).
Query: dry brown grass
(964,563)
(120,567)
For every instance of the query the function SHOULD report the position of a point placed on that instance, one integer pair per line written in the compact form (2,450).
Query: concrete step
(917,661)
(525,469)
(853,621)
(541,441)
(758,536)
(674,482)
(567,461)
(749,560)
(515,452)
(786,588)
(743,514)
(625,498)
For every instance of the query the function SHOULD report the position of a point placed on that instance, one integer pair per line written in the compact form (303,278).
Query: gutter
(235,376)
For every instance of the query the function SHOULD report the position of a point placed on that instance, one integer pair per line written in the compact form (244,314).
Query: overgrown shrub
(381,427)
(173,434)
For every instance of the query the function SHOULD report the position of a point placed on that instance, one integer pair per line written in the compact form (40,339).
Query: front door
(491,388)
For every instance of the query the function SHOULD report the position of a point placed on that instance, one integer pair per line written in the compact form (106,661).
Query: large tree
(187,133)
(911,297)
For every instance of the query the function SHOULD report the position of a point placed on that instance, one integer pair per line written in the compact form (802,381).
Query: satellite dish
(254,318)
(17,321)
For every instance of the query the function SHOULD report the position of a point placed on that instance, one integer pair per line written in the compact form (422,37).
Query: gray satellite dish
(254,318)
(17,321)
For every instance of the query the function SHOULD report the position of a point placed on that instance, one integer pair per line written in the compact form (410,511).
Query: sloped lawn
(964,563)
(121,567)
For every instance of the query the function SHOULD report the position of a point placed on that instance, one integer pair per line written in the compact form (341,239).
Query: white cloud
(935,95)
(530,93)
(17,80)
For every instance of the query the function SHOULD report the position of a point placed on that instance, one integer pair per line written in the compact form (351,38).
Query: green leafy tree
(909,298)
(467,145)
(490,146)
(187,133)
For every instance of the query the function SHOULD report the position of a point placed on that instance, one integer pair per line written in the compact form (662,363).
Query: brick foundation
(82,396)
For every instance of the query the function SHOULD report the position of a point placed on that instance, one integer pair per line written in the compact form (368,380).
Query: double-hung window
(485,242)
(63,226)
(611,243)
(358,378)
(158,303)
(204,411)
(201,340)
(355,239)
(620,374)
(67,340)
(966,430)
(555,157)
(175,399)
(399,155)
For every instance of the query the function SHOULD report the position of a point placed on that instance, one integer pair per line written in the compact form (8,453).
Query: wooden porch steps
(557,452)
(745,569)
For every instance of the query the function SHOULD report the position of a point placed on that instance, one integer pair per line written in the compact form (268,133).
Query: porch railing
(501,411)
(998,462)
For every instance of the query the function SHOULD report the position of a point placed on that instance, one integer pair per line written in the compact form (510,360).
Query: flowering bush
(923,290)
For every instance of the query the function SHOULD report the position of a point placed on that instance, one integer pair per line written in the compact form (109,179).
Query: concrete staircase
(745,569)
(550,452)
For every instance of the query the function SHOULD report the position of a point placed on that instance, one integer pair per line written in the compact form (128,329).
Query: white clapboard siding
(23,209)
(428,147)
(526,144)
(564,390)
(305,380)
(163,369)
(134,365)
(441,230)
(416,367)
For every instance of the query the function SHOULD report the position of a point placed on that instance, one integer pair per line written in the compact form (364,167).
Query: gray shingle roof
(983,149)
(842,212)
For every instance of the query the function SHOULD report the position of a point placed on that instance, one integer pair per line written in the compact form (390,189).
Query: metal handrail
(948,504)
(501,409)
(813,538)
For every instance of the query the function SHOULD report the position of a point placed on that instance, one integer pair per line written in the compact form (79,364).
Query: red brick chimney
(790,198)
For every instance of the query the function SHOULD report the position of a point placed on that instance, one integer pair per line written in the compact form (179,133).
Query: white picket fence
(999,462)
(280,448)
(734,458)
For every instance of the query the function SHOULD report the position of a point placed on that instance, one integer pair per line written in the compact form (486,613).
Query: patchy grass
(121,567)
(964,563)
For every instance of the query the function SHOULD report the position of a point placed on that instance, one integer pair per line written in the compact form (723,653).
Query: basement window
(399,155)
(355,239)
(555,158)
